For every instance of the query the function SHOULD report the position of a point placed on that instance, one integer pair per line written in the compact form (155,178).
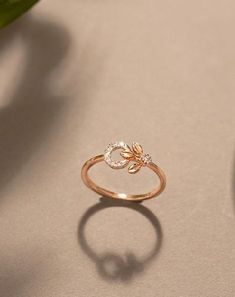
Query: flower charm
(135,154)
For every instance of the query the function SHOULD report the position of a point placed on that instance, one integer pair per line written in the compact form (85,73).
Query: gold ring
(138,159)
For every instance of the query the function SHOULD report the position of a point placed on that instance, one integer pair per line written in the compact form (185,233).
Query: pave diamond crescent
(133,157)
(108,155)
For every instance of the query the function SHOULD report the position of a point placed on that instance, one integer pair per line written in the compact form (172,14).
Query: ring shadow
(33,106)
(123,270)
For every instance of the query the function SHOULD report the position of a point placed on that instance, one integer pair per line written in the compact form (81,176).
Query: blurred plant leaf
(12,9)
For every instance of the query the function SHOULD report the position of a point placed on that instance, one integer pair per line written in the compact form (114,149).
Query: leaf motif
(127,154)
(137,148)
(134,168)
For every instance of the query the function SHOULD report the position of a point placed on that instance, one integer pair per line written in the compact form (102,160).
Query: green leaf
(12,9)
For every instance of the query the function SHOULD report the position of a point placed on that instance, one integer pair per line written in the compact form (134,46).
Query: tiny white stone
(147,159)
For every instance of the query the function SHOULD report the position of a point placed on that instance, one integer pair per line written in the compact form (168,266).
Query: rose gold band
(104,192)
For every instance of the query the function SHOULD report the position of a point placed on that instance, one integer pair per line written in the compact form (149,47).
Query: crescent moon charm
(108,155)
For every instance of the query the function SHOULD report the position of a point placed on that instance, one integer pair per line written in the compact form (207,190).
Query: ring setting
(135,154)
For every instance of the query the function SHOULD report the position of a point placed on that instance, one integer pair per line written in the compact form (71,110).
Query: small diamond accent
(147,159)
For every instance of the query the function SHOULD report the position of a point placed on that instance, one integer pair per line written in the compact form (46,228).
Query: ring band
(138,159)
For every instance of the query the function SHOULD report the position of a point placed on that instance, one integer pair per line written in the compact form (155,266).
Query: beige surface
(74,77)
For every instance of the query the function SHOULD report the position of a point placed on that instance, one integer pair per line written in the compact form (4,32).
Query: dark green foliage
(11,9)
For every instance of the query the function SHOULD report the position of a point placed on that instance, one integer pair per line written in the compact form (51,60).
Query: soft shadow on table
(26,120)
(233,184)
(122,270)
(33,108)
